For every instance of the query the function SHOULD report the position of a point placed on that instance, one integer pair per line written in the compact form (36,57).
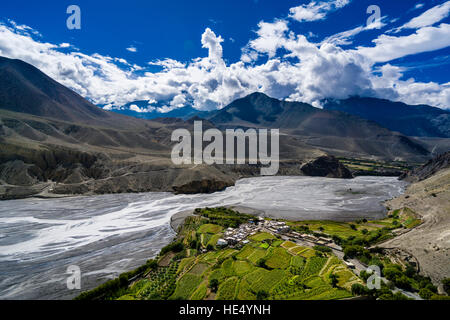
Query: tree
(425,293)
(214,285)
(353,226)
(403,282)
(391,272)
(334,280)
(261,263)
(193,244)
(322,248)
(358,289)
(364,275)
(261,295)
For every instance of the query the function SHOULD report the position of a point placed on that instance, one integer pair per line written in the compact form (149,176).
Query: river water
(109,234)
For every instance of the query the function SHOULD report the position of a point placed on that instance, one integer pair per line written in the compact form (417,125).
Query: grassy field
(262,236)
(365,230)
(370,167)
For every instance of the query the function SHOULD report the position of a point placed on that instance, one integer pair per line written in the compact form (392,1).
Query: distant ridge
(330,130)
(417,120)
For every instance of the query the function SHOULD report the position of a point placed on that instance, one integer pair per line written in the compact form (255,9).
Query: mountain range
(55,142)
(411,120)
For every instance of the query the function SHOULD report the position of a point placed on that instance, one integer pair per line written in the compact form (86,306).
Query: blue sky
(207,53)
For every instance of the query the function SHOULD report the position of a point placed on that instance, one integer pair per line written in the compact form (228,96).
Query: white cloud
(295,69)
(428,18)
(168,64)
(135,108)
(316,10)
(132,49)
(213,43)
(418,6)
(426,39)
(269,40)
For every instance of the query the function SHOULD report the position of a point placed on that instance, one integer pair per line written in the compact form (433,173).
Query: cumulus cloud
(213,43)
(316,10)
(135,108)
(269,38)
(276,61)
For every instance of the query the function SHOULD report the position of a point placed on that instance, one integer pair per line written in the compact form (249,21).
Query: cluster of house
(235,236)
(276,226)
(321,241)
(238,236)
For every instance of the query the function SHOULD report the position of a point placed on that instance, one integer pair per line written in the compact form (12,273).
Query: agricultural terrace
(264,268)
(363,231)
(193,267)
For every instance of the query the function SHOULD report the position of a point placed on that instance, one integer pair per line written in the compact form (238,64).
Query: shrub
(403,282)
(425,293)
(214,285)
(446,283)
(174,246)
(364,275)
(322,248)
(193,244)
(261,295)
(334,280)
(392,271)
(359,290)
(337,239)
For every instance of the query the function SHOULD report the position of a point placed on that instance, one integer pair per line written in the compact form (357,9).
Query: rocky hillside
(326,166)
(430,199)
(430,168)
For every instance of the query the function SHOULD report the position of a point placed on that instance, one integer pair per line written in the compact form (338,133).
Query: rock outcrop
(202,186)
(428,169)
(326,166)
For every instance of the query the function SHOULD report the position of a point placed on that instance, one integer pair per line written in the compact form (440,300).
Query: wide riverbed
(109,234)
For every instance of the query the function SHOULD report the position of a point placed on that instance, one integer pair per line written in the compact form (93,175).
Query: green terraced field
(279,259)
(209,228)
(266,266)
(262,236)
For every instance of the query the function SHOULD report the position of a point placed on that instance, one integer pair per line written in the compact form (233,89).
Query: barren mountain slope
(429,242)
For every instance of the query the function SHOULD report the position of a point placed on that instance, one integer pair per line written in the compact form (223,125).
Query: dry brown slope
(429,242)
